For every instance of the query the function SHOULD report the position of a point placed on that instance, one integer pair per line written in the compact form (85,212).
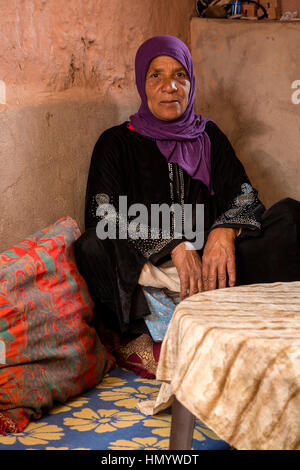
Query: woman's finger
(212,277)
(222,273)
(194,285)
(231,269)
(184,286)
(205,273)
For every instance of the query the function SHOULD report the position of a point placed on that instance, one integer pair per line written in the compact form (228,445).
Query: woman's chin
(170,116)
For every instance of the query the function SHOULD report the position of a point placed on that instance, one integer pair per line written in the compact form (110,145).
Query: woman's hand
(218,260)
(189,267)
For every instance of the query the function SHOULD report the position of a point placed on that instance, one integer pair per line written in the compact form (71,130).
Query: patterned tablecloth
(232,357)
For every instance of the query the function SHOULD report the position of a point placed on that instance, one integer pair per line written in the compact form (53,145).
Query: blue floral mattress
(106,418)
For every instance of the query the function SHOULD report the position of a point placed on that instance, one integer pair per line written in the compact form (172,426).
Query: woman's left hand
(218,260)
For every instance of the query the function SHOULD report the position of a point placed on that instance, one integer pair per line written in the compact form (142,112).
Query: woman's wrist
(234,231)
(179,247)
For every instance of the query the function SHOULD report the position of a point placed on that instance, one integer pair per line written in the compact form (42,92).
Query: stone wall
(66,74)
(245,78)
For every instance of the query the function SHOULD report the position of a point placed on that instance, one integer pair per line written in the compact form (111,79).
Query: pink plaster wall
(57,45)
(290,5)
(248,81)
(67,72)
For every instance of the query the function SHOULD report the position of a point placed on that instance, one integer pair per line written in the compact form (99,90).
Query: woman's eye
(155,75)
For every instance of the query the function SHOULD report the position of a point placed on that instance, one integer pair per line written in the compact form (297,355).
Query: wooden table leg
(182,427)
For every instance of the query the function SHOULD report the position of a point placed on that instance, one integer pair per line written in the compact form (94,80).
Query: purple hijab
(182,141)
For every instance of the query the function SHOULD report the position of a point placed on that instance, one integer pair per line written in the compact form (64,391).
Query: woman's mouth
(169,103)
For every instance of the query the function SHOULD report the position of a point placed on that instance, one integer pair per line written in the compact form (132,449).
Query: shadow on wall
(242,130)
(245,74)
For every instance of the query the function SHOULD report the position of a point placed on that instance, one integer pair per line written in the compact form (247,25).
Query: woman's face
(167,88)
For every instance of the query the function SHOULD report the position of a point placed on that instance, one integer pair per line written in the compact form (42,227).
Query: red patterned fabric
(140,355)
(49,352)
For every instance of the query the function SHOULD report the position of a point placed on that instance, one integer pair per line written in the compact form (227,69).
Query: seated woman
(168,154)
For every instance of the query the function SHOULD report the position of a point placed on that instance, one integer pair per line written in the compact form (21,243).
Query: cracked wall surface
(66,74)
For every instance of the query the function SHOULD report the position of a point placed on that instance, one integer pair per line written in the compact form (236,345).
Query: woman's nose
(169,85)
